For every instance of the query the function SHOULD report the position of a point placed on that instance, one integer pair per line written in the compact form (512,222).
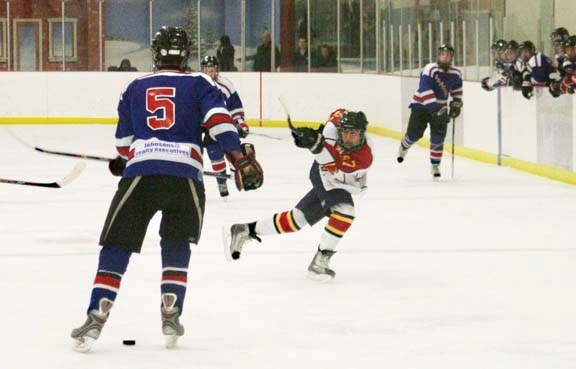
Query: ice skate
(223,189)
(234,237)
(85,336)
(401,154)
(171,327)
(319,268)
(435,170)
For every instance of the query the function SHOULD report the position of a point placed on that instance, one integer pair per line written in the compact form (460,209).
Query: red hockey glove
(248,173)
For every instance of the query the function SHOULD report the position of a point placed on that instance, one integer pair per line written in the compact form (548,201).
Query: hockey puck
(129,342)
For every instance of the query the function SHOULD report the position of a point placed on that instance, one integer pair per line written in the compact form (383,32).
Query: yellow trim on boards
(557,174)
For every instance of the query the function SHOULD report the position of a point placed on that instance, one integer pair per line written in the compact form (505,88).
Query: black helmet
(171,48)
(570,41)
(560,34)
(528,45)
(499,45)
(355,121)
(209,61)
(445,48)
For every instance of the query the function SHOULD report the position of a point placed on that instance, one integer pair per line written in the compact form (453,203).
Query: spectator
(225,55)
(125,66)
(300,57)
(326,60)
(263,58)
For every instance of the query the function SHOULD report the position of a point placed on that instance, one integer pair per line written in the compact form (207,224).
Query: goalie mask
(171,48)
(352,131)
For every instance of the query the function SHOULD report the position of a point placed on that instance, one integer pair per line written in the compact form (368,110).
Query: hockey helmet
(529,46)
(352,121)
(209,61)
(171,48)
(498,49)
(560,34)
(445,48)
(570,41)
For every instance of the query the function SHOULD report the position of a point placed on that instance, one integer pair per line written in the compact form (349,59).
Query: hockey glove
(243,129)
(455,108)
(440,117)
(554,88)
(527,89)
(485,84)
(309,138)
(248,173)
(117,166)
(516,81)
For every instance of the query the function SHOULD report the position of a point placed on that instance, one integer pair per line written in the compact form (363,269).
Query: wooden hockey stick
(74,173)
(91,157)
(453,134)
(285,107)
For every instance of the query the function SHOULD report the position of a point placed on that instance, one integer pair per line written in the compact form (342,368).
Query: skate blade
(324,278)
(226,237)
(171,341)
(83,345)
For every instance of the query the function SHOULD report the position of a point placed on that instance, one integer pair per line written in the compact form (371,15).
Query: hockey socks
(436,149)
(219,166)
(285,222)
(112,265)
(175,260)
(338,224)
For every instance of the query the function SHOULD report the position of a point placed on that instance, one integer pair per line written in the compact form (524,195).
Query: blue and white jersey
(435,87)
(233,101)
(160,123)
(539,66)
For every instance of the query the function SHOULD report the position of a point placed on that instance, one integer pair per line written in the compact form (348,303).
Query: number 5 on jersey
(158,98)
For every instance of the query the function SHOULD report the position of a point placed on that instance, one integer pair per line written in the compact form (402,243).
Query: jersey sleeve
(236,108)
(456,93)
(124,129)
(216,119)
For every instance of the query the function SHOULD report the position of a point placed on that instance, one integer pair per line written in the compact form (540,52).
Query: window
(3,40)
(70,39)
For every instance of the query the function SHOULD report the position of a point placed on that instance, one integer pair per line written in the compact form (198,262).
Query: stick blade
(74,173)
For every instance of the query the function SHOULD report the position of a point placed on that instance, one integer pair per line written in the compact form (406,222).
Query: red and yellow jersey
(341,169)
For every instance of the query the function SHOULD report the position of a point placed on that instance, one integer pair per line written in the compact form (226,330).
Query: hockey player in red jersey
(343,157)
(438,81)
(159,134)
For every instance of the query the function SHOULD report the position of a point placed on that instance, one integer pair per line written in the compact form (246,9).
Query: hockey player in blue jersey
(538,69)
(438,81)
(502,66)
(210,67)
(159,134)
(558,37)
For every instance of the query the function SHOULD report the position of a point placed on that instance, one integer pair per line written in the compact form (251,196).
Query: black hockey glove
(485,84)
(440,117)
(309,138)
(248,173)
(117,166)
(455,108)
(554,88)
(527,89)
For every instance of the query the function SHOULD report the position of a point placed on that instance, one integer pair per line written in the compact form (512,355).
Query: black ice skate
(171,327)
(319,267)
(234,237)
(435,170)
(85,336)
(223,189)
(401,153)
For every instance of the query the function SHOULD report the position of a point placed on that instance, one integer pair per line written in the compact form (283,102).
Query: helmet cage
(352,121)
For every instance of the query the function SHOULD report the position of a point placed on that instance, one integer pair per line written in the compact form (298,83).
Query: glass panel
(128,34)
(259,36)
(369,35)
(350,36)
(324,28)
(221,18)
(178,13)
(57,38)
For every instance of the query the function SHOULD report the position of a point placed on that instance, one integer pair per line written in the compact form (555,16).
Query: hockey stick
(91,157)
(285,107)
(453,133)
(265,135)
(75,172)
